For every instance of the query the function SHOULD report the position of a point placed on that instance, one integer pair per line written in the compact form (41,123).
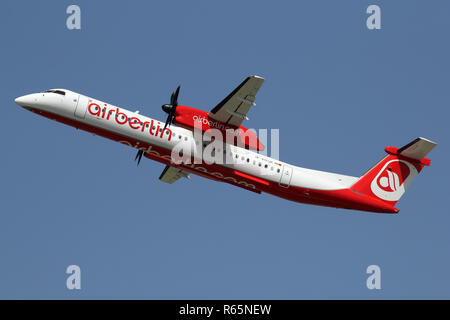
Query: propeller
(171,107)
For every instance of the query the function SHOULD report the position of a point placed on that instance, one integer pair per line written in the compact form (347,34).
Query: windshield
(57,92)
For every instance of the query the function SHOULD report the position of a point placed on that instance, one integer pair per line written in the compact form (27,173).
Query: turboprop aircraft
(377,190)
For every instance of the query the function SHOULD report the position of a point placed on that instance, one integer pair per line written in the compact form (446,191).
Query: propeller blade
(169,118)
(167,122)
(175,103)
(139,156)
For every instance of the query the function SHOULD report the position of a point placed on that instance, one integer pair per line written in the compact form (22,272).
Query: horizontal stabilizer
(417,149)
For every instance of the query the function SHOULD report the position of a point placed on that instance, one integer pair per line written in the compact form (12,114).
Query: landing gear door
(286,176)
(80,110)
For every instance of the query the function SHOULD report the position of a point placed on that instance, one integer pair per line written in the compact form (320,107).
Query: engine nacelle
(190,118)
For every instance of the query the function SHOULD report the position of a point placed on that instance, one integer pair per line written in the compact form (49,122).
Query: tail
(389,178)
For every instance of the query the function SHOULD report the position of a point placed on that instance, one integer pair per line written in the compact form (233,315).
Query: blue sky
(338,92)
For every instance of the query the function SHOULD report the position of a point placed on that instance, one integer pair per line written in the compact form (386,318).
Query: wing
(171,174)
(233,109)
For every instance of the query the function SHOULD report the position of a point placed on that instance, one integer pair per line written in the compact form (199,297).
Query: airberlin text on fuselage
(122,119)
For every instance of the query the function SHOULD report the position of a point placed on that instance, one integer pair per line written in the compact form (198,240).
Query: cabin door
(286,176)
(80,110)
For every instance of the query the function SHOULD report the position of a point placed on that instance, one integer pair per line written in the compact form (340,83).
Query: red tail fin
(389,178)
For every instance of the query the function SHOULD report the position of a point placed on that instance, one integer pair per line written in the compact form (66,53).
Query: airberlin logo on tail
(393,179)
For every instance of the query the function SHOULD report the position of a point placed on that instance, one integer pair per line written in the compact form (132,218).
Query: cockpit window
(57,92)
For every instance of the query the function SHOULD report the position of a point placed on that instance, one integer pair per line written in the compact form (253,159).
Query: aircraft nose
(26,101)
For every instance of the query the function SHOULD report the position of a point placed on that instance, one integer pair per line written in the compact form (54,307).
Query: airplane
(378,190)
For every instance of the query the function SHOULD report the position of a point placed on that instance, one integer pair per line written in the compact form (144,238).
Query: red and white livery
(378,190)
